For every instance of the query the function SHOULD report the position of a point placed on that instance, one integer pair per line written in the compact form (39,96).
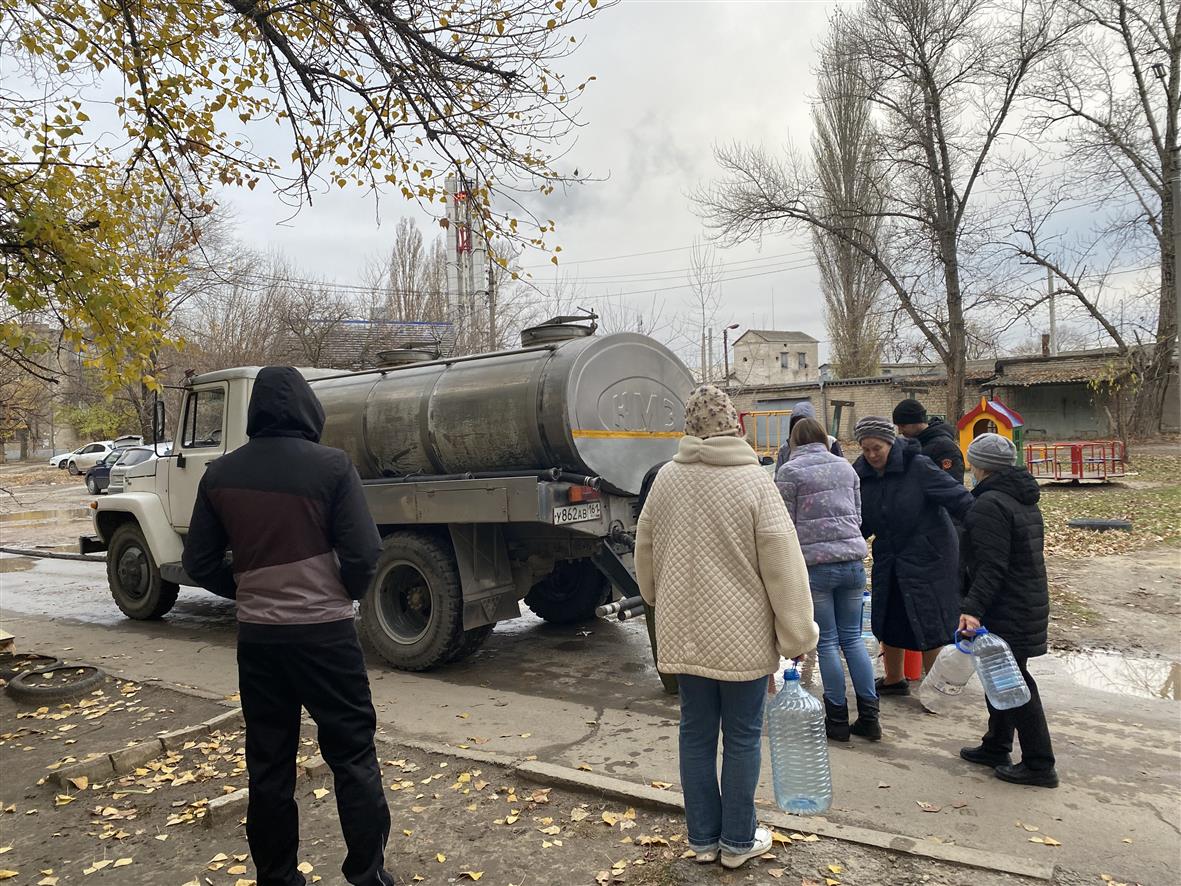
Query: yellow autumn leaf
(471,875)
(321,793)
(440,857)
(122,863)
(305,867)
(80,782)
(8,875)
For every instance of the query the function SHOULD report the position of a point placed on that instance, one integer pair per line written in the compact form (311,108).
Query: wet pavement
(588,696)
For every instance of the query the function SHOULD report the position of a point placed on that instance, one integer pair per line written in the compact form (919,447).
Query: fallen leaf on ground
(661,785)
(776,872)
(584,768)
(578,814)
(777,837)
(8,875)
(1046,841)
(321,793)
(551,831)
(305,867)
(471,875)
(122,862)
(440,857)
(835,868)
(63,800)
(80,782)
(47,881)
(928,807)
(236,869)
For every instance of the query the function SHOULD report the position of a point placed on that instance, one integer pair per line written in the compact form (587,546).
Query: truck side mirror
(158,421)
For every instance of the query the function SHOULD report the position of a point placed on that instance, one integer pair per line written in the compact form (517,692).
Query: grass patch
(1151,500)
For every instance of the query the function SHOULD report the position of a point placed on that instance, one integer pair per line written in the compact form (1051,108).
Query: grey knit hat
(709,413)
(992,452)
(874,426)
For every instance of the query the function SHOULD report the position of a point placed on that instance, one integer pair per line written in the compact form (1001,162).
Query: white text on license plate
(592,510)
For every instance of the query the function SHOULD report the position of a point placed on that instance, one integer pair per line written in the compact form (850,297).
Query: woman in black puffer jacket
(1008,594)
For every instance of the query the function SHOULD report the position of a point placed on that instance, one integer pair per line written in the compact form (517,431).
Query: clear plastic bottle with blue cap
(799,749)
(997,668)
(944,684)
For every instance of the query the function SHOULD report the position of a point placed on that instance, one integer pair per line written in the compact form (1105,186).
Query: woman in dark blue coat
(905,504)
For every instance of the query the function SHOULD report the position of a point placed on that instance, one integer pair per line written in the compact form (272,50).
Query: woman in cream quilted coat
(716,548)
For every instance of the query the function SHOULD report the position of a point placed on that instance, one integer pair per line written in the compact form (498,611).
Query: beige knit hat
(709,413)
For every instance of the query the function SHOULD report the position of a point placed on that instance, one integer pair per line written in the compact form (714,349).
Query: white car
(82,460)
(59,461)
(135,455)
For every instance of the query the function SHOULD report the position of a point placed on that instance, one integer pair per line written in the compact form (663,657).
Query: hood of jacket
(936,427)
(720,451)
(803,409)
(1014,481)
(283,405)
(902,453)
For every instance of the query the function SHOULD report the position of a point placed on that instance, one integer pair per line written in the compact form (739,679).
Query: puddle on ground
(16,564)
(37,518)
(1127,675)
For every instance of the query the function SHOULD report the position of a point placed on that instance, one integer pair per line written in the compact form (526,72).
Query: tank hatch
(560,328)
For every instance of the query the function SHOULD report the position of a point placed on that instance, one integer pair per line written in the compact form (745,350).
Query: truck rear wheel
(134,576)
(413,614)
(570,593)
(472,640)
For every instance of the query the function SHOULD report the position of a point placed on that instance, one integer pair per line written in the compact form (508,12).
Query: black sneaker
(1022,774)
(981,756)
(902,687)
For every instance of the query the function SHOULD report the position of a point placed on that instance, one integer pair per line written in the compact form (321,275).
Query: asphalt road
(589,697)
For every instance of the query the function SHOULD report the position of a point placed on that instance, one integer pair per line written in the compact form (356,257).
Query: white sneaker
(761,847)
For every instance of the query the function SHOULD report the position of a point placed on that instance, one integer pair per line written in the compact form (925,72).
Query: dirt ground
(452,822)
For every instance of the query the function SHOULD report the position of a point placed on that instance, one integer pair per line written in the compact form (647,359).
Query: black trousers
(330,680)
(1028,721)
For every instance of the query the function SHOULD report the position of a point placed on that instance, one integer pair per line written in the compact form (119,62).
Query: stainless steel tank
(609,406)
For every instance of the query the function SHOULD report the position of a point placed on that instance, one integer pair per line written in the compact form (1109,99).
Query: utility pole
(492,339)
(726,351)
(1053,314)
(709,376)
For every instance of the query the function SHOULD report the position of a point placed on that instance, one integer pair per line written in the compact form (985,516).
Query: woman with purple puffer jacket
(823,496)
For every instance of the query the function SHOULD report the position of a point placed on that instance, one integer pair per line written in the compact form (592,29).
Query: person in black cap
(935,436)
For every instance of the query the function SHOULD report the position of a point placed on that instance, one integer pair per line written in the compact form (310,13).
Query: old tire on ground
(73,469)
(13,663)
(570,593)
(413,615)
(74,680)
(472,640)
(134,576)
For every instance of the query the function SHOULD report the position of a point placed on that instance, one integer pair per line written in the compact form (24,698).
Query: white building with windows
(772,357)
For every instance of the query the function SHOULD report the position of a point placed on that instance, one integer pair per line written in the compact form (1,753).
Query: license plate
(592,510)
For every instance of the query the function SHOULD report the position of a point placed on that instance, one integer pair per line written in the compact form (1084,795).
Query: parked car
(98,477)
(59,461)
(88,456)
(135,455)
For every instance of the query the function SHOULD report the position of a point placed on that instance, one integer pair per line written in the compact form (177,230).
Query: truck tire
(570,593)
(134,576)
(472,640)
(413,613)
(64,682)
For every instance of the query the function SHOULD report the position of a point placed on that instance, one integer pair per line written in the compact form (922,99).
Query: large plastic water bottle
(998,671)
(867,637)
(799,749)
(945,682)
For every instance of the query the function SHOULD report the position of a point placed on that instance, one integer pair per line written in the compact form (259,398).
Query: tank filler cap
(561,328)
(411,352)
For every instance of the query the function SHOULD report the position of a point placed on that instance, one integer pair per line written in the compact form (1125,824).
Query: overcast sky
(674,78)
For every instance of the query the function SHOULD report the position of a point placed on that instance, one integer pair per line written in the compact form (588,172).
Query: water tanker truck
(493,478)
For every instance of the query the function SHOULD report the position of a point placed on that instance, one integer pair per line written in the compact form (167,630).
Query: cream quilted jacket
(717,555)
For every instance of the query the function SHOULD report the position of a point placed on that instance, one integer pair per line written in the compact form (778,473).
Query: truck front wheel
(413,614)
(570,593)
(134,576)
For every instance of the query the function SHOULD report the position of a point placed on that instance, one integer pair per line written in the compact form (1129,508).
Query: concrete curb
(226,809)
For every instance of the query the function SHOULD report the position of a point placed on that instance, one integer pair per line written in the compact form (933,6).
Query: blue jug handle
(967,650)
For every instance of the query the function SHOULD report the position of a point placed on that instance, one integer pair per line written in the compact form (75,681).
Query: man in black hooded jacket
(304,548)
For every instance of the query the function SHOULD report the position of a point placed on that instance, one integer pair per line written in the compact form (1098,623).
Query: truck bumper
(91,544)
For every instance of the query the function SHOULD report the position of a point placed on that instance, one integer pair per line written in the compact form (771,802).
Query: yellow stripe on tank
(625,435)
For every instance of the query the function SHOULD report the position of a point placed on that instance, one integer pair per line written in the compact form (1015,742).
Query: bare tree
(412,277)
(704,278)
(944,77)
(1114,94)
(843,152)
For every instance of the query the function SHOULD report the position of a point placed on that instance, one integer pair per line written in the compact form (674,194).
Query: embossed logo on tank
(633,405)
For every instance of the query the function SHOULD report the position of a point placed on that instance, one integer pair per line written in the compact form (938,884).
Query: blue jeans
(836,602)
(724,818)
